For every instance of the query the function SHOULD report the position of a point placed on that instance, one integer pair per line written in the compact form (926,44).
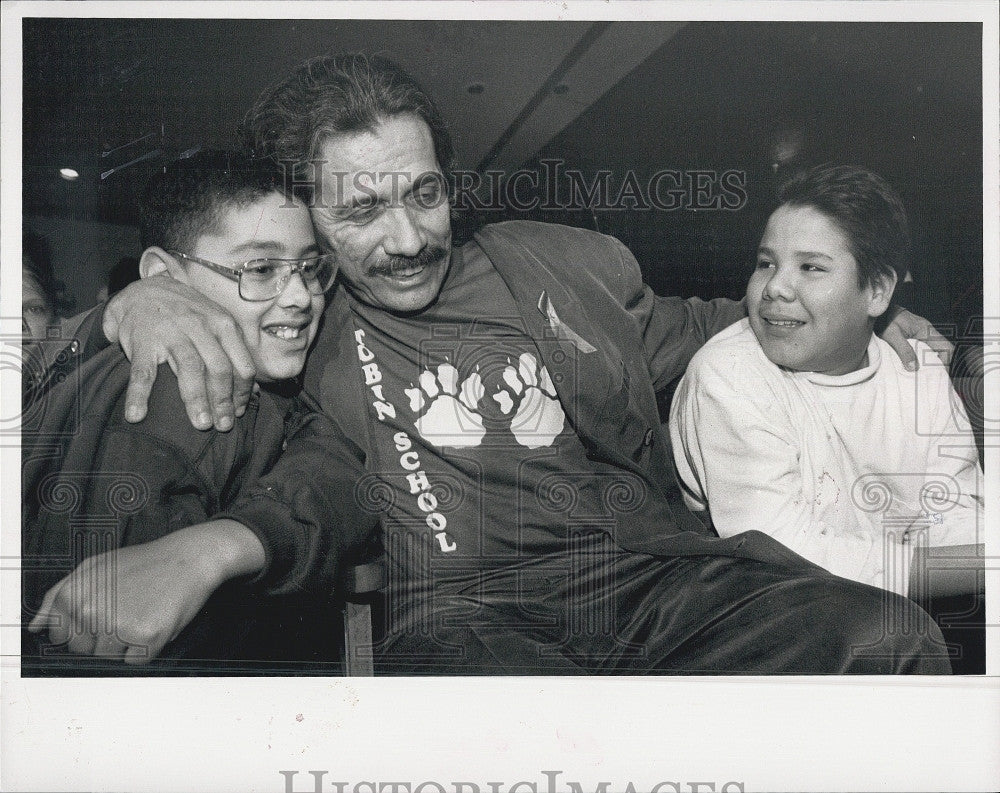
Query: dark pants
(638,614)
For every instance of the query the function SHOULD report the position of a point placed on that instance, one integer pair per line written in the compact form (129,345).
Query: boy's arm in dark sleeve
(137,489)
(287,533)
(308,511)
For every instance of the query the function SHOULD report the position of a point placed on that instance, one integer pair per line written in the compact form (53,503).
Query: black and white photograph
(431,396)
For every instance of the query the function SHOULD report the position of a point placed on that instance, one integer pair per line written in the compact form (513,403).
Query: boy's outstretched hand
(130,602)
(159,319)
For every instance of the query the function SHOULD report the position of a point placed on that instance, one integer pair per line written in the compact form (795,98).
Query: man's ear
(881,294)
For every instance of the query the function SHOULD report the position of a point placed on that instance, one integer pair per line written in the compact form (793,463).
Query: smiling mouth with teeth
(284,332)
(783,323)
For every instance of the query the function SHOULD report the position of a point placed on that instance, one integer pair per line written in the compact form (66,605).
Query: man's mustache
(391,265)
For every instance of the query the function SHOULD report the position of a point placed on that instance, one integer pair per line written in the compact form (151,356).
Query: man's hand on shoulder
(130,602)
(898,325)
(159,319)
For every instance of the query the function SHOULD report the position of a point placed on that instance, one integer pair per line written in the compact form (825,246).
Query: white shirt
(849,471)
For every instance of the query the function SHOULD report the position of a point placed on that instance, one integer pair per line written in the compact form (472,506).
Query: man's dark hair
(330,95)
(188,197)
(865,208)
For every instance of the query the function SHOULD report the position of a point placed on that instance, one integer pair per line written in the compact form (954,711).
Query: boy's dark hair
(865,208)
(336,94)
(187,198)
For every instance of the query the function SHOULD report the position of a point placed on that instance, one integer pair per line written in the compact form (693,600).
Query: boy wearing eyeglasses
(92,482)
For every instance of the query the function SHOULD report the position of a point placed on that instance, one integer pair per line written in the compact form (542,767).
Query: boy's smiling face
(278,332)
(804,300)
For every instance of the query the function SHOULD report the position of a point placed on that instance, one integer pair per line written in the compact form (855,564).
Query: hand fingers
(82,643)
(83,618)
(243,370)
(230,378)
(140,384)
(202,343)
(910,325)
(110,646)
(138,654)
(944,348)
(45,618)
(190,369)
(893,336)
(63,609)
(205,374)
(81,635)
(242,389)
(67,625)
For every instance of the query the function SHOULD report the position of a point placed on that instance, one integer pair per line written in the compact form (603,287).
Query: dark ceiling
(115,97)
(100,94)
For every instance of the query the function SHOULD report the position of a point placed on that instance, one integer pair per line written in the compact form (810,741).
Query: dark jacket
(92,482)
(641,344)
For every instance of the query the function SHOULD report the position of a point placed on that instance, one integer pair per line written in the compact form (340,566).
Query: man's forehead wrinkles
(364,188)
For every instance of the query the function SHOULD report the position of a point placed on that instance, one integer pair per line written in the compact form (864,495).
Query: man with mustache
(499,397)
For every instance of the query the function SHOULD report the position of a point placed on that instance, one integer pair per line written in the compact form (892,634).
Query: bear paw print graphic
(539,417)
(450,418)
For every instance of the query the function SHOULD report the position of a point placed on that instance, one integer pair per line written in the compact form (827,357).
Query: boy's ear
(156,261)
(881,294)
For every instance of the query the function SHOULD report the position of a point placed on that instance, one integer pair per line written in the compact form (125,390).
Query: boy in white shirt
(796,422)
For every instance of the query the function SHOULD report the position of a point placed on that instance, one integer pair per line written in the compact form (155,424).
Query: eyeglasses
(264,279)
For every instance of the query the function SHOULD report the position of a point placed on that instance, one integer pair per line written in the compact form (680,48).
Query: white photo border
(753,734)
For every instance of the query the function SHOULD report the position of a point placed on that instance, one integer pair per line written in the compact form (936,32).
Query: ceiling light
(69,174)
